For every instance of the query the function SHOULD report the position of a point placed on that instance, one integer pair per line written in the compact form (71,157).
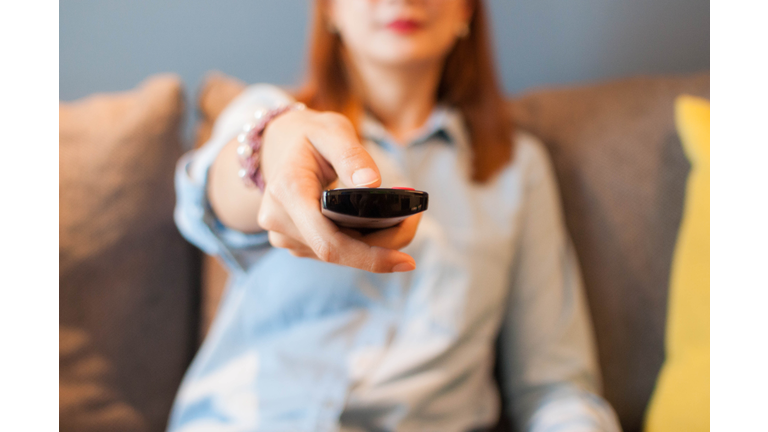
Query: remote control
(372,208)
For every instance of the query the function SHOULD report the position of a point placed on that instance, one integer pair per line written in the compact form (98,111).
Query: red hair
(468,83)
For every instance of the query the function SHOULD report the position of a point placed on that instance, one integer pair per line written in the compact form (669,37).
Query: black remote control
(372,208)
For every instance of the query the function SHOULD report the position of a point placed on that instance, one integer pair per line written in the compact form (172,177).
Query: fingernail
(364,177)
(404,267)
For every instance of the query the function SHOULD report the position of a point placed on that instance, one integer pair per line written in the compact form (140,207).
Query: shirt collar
(444,121)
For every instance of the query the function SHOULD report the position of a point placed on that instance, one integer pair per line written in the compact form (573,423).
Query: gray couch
(136,299)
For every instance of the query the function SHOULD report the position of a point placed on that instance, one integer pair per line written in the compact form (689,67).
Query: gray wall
(108,45)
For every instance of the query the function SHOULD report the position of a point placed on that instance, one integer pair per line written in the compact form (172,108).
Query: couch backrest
(622,173)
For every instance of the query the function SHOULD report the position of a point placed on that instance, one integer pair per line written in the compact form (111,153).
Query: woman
(323,328)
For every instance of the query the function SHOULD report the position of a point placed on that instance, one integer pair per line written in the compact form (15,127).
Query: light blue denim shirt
(302,345)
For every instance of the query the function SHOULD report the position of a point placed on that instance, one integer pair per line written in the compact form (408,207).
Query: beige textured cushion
(622,172)
(126,290)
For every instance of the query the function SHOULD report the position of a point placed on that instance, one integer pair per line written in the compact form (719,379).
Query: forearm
(235,204)
(547,347)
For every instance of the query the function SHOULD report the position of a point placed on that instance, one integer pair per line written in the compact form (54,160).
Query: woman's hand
(302,153)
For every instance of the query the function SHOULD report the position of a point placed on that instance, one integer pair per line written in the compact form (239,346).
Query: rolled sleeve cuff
(570,409)
(200,226)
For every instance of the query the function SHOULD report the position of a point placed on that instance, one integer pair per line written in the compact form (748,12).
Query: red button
(403,188)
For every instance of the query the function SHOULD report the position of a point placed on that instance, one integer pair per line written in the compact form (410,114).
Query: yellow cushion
(681,399)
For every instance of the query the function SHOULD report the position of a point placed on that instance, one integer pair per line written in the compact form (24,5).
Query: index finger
(329,243)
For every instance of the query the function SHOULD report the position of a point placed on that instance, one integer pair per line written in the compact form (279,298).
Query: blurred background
(113,45)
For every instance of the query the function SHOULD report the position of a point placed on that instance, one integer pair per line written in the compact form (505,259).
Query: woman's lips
(404,26)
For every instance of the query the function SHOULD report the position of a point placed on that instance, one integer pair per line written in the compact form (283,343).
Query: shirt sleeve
(193,214)
(548,362)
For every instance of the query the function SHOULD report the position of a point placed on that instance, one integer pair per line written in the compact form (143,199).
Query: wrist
(251,140)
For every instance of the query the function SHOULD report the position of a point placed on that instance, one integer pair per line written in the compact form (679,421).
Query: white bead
(244,150)
(259,114)
(247,127)
(242,173)
(241,138)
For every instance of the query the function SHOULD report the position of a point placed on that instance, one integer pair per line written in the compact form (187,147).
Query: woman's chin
(403,51)
(407,57)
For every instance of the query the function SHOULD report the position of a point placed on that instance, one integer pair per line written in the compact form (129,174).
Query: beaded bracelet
(250,144)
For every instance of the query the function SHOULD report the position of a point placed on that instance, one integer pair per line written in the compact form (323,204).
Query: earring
(463,31)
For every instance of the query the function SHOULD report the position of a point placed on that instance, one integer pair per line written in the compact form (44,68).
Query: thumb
(336,140)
